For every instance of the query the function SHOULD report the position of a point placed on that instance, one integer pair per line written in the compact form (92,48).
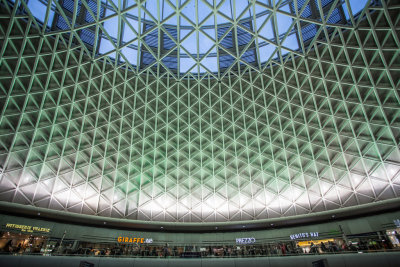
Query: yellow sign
(316,242)
(125,239)
(27,228)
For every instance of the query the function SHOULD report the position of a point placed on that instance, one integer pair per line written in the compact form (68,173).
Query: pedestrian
(166,250)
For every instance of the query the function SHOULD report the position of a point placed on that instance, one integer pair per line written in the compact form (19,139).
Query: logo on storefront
(304,235)
(245,240)
(126,239)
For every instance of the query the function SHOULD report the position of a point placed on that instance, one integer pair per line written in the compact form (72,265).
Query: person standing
(323,247)
(165,250)
(8,247)
(397,235)
(313,248)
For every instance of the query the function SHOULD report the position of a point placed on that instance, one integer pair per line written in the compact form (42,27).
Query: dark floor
(384,259)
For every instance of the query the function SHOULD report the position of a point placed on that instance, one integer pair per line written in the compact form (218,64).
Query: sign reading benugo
(126,239)
(28,228)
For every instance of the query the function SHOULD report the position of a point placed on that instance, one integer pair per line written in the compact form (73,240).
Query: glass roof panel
(189,9)
(133,11)
(225,8)
(210,63)
(190,42)
(240,7)
(152,7)
(38,10)
(106,46)
(131,29)
(355,5)
(266,52)
(264,27)
(204,14)
(205,42)
(283,21)
(291,42)
(129,54)
(111,25)
(187,64)
(167,10)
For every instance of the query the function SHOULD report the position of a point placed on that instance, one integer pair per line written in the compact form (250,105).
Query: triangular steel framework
(307,130)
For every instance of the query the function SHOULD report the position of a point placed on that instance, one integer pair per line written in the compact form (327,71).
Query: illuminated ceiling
(199,111)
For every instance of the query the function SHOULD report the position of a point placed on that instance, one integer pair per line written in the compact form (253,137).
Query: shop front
(394,234)
(314,243)
(17,241)
(317,246)
(24,235)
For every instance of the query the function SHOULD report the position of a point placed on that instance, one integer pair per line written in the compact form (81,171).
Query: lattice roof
(289,122)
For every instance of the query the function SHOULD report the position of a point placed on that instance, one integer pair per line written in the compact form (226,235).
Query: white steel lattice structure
(199,111)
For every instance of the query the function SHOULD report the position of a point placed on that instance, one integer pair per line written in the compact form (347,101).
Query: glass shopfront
(14,242)
(25,236)
(320,245)
(394,236)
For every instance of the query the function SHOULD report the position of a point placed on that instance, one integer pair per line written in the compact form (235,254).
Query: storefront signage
(304,235)
(28,228)
(308,243)
(245,240)
(126,239)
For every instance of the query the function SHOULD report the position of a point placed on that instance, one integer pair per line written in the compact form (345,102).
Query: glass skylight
(39,8)
(190,29)
(193,27)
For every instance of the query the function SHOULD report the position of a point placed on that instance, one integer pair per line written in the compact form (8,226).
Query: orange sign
(125,239)
(317,242)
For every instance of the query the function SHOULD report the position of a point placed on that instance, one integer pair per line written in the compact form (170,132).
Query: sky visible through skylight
(199,45)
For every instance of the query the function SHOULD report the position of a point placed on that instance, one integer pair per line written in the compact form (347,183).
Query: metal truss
(307,130)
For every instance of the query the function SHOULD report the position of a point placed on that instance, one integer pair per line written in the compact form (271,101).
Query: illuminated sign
(28,228)
(308,243)
(245,240)
(304,235)
(126,239)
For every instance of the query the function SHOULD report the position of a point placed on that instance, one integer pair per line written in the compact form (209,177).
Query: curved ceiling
(271,129)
